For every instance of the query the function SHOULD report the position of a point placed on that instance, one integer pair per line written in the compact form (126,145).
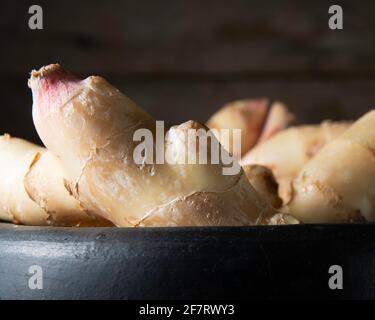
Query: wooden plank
(174,37)
(311,100)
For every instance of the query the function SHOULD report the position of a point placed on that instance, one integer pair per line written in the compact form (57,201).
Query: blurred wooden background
(182,60)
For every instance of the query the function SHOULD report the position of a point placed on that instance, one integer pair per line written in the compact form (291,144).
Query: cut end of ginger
(48,71)
(51,86)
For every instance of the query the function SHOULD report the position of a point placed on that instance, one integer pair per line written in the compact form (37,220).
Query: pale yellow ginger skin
(278,119)
(247,115)
(288,151)
(15,204)
(89,125)
(337,185)
(32,188)
(254,117)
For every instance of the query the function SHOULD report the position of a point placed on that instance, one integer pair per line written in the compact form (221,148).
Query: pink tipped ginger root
(278,119)
(89,125)
(246,115)
(257,120)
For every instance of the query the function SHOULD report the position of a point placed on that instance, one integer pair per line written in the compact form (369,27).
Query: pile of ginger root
(86,176)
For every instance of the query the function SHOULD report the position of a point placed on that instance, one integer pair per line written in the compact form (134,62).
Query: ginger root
(282,219)
(257,120)
(264,182)
(247,115)
(287,151)
(89,125)
(32,188)
(337,185)
(278,119)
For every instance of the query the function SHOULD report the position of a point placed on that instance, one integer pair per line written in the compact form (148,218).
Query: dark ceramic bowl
(187,263)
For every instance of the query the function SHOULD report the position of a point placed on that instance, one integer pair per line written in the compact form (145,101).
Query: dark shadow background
(182,60)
